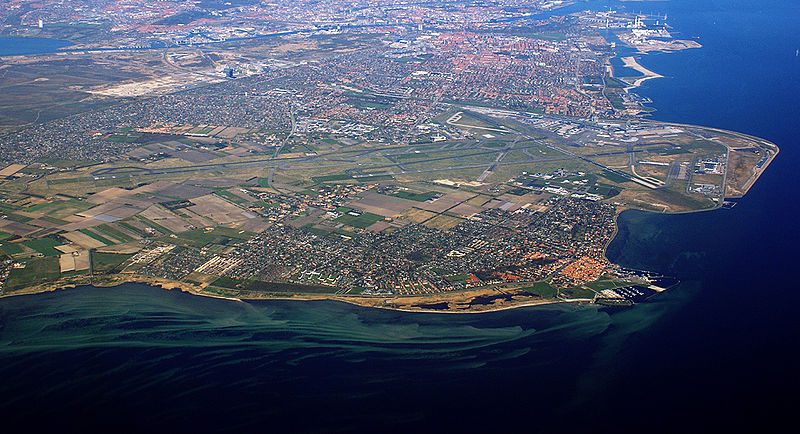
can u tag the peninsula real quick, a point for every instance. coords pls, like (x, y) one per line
(390, 159)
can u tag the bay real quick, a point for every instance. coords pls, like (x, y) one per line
(14, 46)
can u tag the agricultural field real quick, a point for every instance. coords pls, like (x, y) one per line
(334, 208)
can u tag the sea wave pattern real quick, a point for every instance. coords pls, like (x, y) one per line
(117, 347)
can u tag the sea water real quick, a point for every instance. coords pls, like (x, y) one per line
(716, 352)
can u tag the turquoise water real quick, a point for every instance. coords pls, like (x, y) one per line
(715, 353)
(350, 365)
(22, 46)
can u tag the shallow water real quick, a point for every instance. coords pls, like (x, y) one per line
(715, 352)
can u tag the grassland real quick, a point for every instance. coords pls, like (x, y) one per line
(358, 219)
(215, 236)
(45, 246)
(486, 162)
(36, 271)
(108, 262)
(542, 289)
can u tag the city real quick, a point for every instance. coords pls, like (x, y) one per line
(389, 157)
(399, 216)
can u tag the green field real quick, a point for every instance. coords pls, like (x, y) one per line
(542, 289)
(53, 220)
(96, 236)
(519, 191)
(675, 151)
(458, 278)
(17, 218)
(259, 286)
(37, 270)
(374, 178)
(361, 221)
(328, 178)
(131, 228)
(611, 176)
(226, 282)
(10, 248)
(227, 195)
(410, 156)
(604, 190)
(60, 208)
(418, 197)
(577, 292)
(110, 231)
(316, 231)
(218, 235)
(123, 138)
(44, 246)
(600, 285)
(107, 262)
(154, 225)
(612, 82)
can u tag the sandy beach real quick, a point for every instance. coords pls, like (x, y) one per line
(647, 74)
(459, 301)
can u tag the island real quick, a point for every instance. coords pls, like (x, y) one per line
(423, 157)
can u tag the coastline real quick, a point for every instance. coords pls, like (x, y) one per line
(632, 63)
(751, 181)
(460, 300)
(647, 74)
(383, 302)
(375, 302)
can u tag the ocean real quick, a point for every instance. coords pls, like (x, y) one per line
(716, 352)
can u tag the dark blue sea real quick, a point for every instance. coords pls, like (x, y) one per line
(716, 353)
